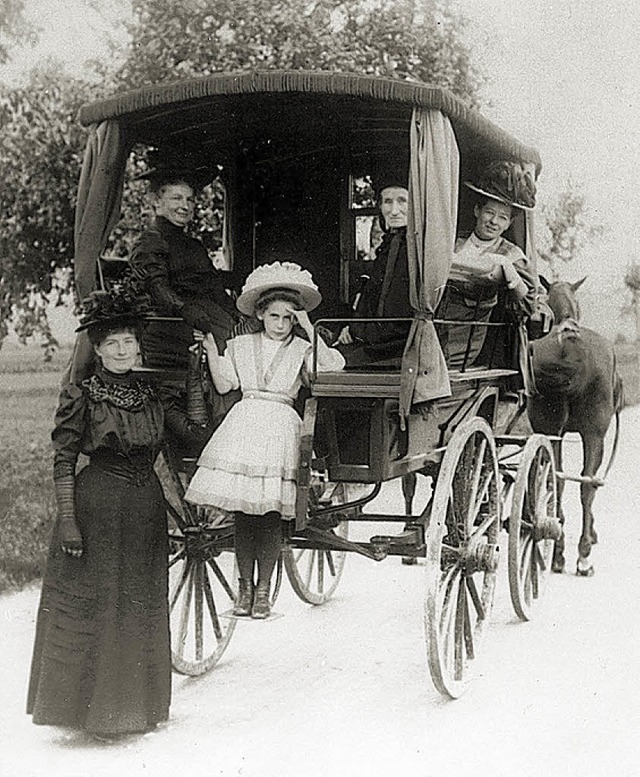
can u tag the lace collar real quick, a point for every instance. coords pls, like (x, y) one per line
(121, 391)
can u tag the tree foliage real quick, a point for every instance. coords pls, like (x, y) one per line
(41, 144)
(14, 28)
(567, 228)
(632, 282)
(418, 40)
(40, 155)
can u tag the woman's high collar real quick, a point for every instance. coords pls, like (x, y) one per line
(114, 377)
(167, 228)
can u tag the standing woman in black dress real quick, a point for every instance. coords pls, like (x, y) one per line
(101, 659)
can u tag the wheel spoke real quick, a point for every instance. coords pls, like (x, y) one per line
(330, 563)
(179, 585)
(535, 578)
(447, 625)
(446, 586)
(525, 555)
(211, 605)
(459, 641)
(312, 556)
(540, 558)
(178, 557)
(175, 515)
(184, 615)
(472, 507)
(320, 571)
(475, 597)
(198, 582)
(221, 578)
(468, 628)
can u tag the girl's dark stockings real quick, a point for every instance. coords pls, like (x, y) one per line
(258, 541)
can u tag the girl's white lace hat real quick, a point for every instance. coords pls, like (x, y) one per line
(279, 275)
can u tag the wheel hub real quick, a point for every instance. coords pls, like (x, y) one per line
(482, 558)
(547, 528)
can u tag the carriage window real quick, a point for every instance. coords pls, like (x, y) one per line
(210, 226)
(365, 233)
(362, 194)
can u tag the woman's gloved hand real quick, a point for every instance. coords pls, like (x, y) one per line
(69, 534)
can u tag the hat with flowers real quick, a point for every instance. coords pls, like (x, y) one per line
(278, 275)
(123, 301)
(507, 182)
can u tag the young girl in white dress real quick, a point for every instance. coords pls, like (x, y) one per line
(250, 464)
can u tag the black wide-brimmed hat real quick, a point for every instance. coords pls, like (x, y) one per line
(507, 182)
(124, 303)
(169, 165)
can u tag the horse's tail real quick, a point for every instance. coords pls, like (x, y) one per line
(618, 404)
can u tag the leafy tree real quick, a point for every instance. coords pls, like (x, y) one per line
(632, 282)
(417, 40)
(14, 28)
(41, 148)
(566, 228)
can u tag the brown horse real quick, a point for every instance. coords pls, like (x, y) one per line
(578, 389)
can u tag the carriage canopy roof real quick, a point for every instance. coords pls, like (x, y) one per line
(329, 99)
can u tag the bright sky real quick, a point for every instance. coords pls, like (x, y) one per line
(565, 77)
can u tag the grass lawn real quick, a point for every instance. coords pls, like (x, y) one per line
(26, 490)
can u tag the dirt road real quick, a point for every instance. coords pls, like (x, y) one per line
(344, 690)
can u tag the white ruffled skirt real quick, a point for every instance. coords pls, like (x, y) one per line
(251, 461)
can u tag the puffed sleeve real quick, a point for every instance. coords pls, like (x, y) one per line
(328, 359)
(69, 427)
(523, 267)
(149, 258)
(227, 378)
(149, 262)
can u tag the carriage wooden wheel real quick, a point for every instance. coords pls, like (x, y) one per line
(462, 555)
(202, 580)
(533, 525)
(314, 573)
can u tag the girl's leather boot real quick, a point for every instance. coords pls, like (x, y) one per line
(261, 604)
(244, 601)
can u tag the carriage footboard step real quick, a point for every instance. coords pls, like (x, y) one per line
(407, 543)
(332, 540)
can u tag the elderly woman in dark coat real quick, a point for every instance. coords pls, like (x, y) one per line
(101, 659)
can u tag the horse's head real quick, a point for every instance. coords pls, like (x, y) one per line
(562, 300)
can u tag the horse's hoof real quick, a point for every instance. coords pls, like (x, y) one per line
(409, 561)
(557, 566)
(584, 571)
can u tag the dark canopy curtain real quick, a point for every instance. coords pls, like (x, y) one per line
(97, 212)
(431, 233)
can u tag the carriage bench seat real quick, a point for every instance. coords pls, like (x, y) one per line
(387, 384)
(361, 437)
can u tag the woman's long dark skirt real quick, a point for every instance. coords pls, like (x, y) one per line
(101, 658)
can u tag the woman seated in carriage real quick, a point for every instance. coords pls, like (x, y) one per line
(485, 265)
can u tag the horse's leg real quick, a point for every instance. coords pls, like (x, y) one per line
(408, 491)
(593, 446)
(558, 563)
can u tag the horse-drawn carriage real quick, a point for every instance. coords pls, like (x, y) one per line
(296, 153)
